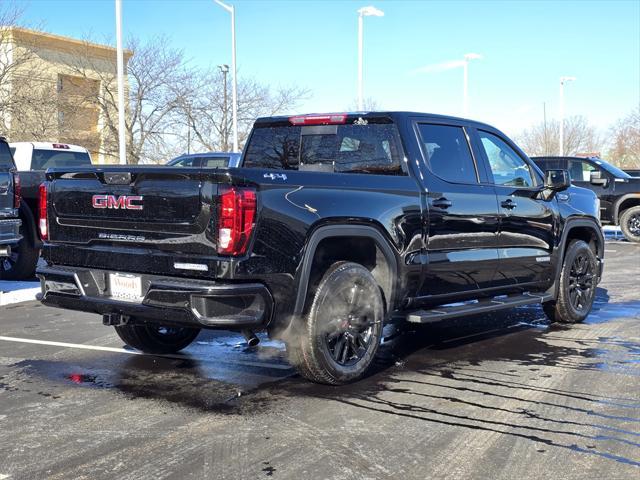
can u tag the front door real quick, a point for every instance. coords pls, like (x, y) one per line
(525, 239)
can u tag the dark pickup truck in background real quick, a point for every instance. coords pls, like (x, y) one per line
(333, 225)
(31, 160)
(9, 203)
(619, 192)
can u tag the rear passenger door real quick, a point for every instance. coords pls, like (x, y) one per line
(525, 239)
(462, 244)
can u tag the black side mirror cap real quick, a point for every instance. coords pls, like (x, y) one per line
(557, 180)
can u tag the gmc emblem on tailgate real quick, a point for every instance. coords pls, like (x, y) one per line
(123, 202)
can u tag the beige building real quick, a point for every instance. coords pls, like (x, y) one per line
(59, 89)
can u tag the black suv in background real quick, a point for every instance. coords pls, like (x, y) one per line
(333, 225)
(619, 192)
(9, 203)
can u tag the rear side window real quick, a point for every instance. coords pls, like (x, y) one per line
(6, 161)
(43, 159)
(448, 154)
(356, 148)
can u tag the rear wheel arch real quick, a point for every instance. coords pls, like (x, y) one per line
(625, 202)
(361, 244)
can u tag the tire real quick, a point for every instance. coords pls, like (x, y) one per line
(157, 338)
(630, 224)
(22, 263)
(337, 340)
(577, 288)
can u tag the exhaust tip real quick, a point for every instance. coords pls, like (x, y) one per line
(251, 338)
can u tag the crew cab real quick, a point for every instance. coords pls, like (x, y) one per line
(333, 225)
(9, 203)
(32, 159)
(618, 191)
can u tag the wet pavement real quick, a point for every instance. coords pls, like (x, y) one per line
(497, 396)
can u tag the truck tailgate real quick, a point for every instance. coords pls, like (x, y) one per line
(137, 213)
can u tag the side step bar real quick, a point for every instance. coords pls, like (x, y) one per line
(486, 305)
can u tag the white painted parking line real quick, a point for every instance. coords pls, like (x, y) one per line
(609, 251)
(82, 346)
(3, 477)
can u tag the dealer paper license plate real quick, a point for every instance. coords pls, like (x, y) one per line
(125, 287)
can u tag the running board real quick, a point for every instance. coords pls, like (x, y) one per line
(486, 305)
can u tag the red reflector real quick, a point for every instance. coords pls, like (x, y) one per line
(329, 119)
(236, 217)
(43, 223)
(60, 145)
(17, 191)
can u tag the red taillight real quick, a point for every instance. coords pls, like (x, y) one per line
(43, 223)
(17, 191)
(328, 119)
(60, 145)
(236, 217)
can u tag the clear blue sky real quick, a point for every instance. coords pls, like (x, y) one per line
(526, 47)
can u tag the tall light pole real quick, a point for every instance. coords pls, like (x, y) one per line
(234, 100)
(563, 80)
(122, 145)
(465, 66)
(363, 12)
(224, 69)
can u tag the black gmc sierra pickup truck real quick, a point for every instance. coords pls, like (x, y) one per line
(618, 191)
(333, 225)
(9, 203)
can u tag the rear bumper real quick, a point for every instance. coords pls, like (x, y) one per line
(166, 300)
(10, 231)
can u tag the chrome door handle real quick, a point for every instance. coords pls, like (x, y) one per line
(508, 204)
(441, 203)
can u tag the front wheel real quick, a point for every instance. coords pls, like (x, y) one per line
(630, 224)
(577, 288)
(339, 337)
(157, 338)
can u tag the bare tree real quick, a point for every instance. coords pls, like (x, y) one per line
(543, 139)
(624, 149)
(207, 109)
(156, 74)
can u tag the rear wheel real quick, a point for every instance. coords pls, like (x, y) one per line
(630, 224)
(341, 333)
(157, 338)
(577, 288)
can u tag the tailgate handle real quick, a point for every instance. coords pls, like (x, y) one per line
(117, 178)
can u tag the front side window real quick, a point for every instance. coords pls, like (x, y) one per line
(448, 154)
(580, 170)
(507, 167)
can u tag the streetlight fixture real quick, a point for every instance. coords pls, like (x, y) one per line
(563, 80)
(363, 12)
(232, 11)
(224, 69)
(465, 65)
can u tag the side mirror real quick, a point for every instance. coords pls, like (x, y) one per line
(596, 178)
(557, 180)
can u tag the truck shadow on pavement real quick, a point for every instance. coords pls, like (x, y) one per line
(509, 374)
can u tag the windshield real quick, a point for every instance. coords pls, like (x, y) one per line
(43, 159)
(615, 171)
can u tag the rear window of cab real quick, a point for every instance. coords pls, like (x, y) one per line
(360, 147)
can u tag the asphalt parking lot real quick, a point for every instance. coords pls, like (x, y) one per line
(498, 397)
